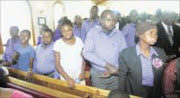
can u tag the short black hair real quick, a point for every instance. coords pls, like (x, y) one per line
(116, 93)
(105, 13)
(66, 22)
(27, 31)
(95, 6)
(48, 30)
(15, 28)
(44, 26)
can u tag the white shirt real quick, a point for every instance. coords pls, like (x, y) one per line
(70, 57)
(117, 25)
(166, 27)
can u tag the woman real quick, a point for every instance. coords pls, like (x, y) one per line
(141, 67)
(68, 59)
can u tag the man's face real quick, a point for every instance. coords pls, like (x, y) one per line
(109, 22)
(78, 20)
(168, 20)
(67, 32)
(93, 12)
(134, 17)
(46, 38)
(149, 37)
(14, 32)
(24, 36)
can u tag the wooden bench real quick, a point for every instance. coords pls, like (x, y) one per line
(55, 87)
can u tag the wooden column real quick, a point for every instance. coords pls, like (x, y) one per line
(1, 45)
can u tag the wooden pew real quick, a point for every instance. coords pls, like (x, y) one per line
(54, 86)
(38, 88)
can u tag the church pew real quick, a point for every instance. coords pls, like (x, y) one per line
(59, 85)
(33, 93)
(38, 88)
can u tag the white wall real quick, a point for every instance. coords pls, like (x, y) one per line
(42, 9)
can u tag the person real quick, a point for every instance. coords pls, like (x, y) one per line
(118, 19)
(15, 58)
(9, 92)
(11, 44)
(117, 94)
(130, 29)
(171, 83)
(40, 36)
(102, 48)
(57, 32)
(27, 54)
(44, 60)
(68, 59)
(91, 22)
(168, 35)
(141, 67)
(77, 28)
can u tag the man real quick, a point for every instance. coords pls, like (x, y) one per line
(130, 29)
(44, 59)
(77, 28)
(118, 17)
(12, 44)
(90, 22)
(40, 36)
(102, 48)
(168, 35)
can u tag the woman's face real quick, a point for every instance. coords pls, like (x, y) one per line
(67, 32)
(149, 37)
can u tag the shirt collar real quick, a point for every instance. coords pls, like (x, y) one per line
(15, 39)
(152, 51)
(165, 25)
(132, 24)
(114, 31)
(95, 20)
(43, 45)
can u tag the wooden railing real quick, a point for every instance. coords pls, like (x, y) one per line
(54, 86)
(38, 88)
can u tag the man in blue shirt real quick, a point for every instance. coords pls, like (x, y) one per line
(130, 29)
(90, 22)
(11, 44)
(77, 28)
(102, 48)
(44, 59)
(27, 53)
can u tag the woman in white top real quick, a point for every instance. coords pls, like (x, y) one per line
(68, 59)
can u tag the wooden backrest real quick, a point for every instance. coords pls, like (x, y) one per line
(38, 88)
(60, 85)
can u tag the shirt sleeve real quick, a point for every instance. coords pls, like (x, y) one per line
(4, 57)
(123, 42)
(123, 70)
(124, 31)
(81, 43)
(57, 46)
(32, 52)
(83, 32)
(89, 50)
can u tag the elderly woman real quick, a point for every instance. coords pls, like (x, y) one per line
(141, 67)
